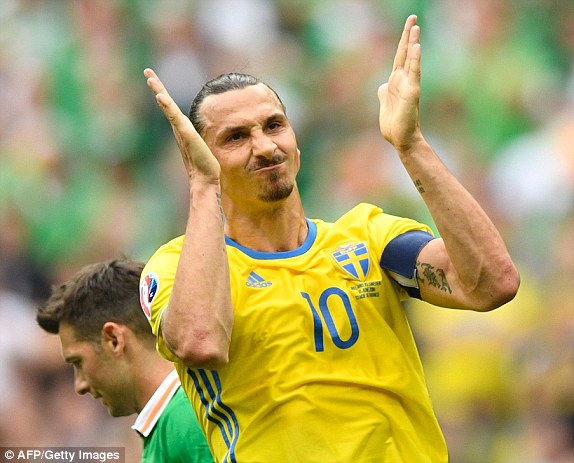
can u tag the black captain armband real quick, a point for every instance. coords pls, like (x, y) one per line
(399, 259)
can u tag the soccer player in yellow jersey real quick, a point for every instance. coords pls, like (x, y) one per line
(288, 332)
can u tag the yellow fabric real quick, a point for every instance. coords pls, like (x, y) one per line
(323, 365)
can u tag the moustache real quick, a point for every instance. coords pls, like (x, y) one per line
(261, 163)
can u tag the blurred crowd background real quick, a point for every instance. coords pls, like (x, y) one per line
(89, 170)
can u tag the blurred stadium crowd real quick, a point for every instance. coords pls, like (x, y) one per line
(89, 170)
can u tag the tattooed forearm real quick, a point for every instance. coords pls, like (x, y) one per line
(419, 186)
(432, 277)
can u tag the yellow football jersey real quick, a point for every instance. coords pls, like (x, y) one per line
(323, 366)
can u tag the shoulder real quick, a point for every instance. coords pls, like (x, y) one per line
(158, 274)
(164, 258)
(177, 434)
(173, 246)
(179, 410)
(373, 223)
(361, 210)
(178, 421)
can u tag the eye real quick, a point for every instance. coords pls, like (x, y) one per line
(74, 362)
(235, 136)
(274, 125)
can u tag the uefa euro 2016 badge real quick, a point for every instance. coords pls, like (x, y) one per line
(149, 287)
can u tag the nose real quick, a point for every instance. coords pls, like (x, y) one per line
(80, 384)
(263, 144)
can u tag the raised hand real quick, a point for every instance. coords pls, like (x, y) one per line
(197, 157)
(399, 97)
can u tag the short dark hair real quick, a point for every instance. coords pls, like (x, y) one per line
(96, 294)
(221, 84)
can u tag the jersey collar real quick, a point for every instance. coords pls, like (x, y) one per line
(149, 415)
(279, 255)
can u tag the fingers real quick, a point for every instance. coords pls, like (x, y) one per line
(414, 36)
(403, 47)
(196, 155)
(169, 107)
(414, 72)
(154, 82)
(161, 94)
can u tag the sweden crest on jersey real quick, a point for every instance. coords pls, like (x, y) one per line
(353, 259)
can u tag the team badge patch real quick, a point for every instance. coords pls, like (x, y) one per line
(149, 287)
(353, 259)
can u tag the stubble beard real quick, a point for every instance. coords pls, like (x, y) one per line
(276, 189)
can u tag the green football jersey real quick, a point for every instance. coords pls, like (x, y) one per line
(169, 428)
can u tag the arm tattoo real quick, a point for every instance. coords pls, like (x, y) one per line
(218, 195)
(433, 277)
(419, 186)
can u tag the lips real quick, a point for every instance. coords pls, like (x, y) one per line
(266, 168)
(262, 164)
(262, 167)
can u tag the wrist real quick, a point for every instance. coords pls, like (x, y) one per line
(416, 147)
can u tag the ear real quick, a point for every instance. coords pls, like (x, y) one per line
(298, 159)
(114, 337)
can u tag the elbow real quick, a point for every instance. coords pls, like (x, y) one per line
(199, 351)
(199, 348)
(205, 359)
(198, 342)
(503, 289)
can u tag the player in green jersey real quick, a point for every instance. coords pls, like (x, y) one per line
(106, 338)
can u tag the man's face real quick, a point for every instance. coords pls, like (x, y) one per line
(251, 137)
(98, 371)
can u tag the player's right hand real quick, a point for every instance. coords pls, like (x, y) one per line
(198, 159)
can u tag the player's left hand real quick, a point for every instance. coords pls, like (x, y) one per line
(399, 97)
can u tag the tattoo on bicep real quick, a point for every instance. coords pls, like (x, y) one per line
(433, 277)
(218, 195)
(419, 186)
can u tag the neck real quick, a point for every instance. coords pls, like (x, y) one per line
(275, 227)
(152, 373)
